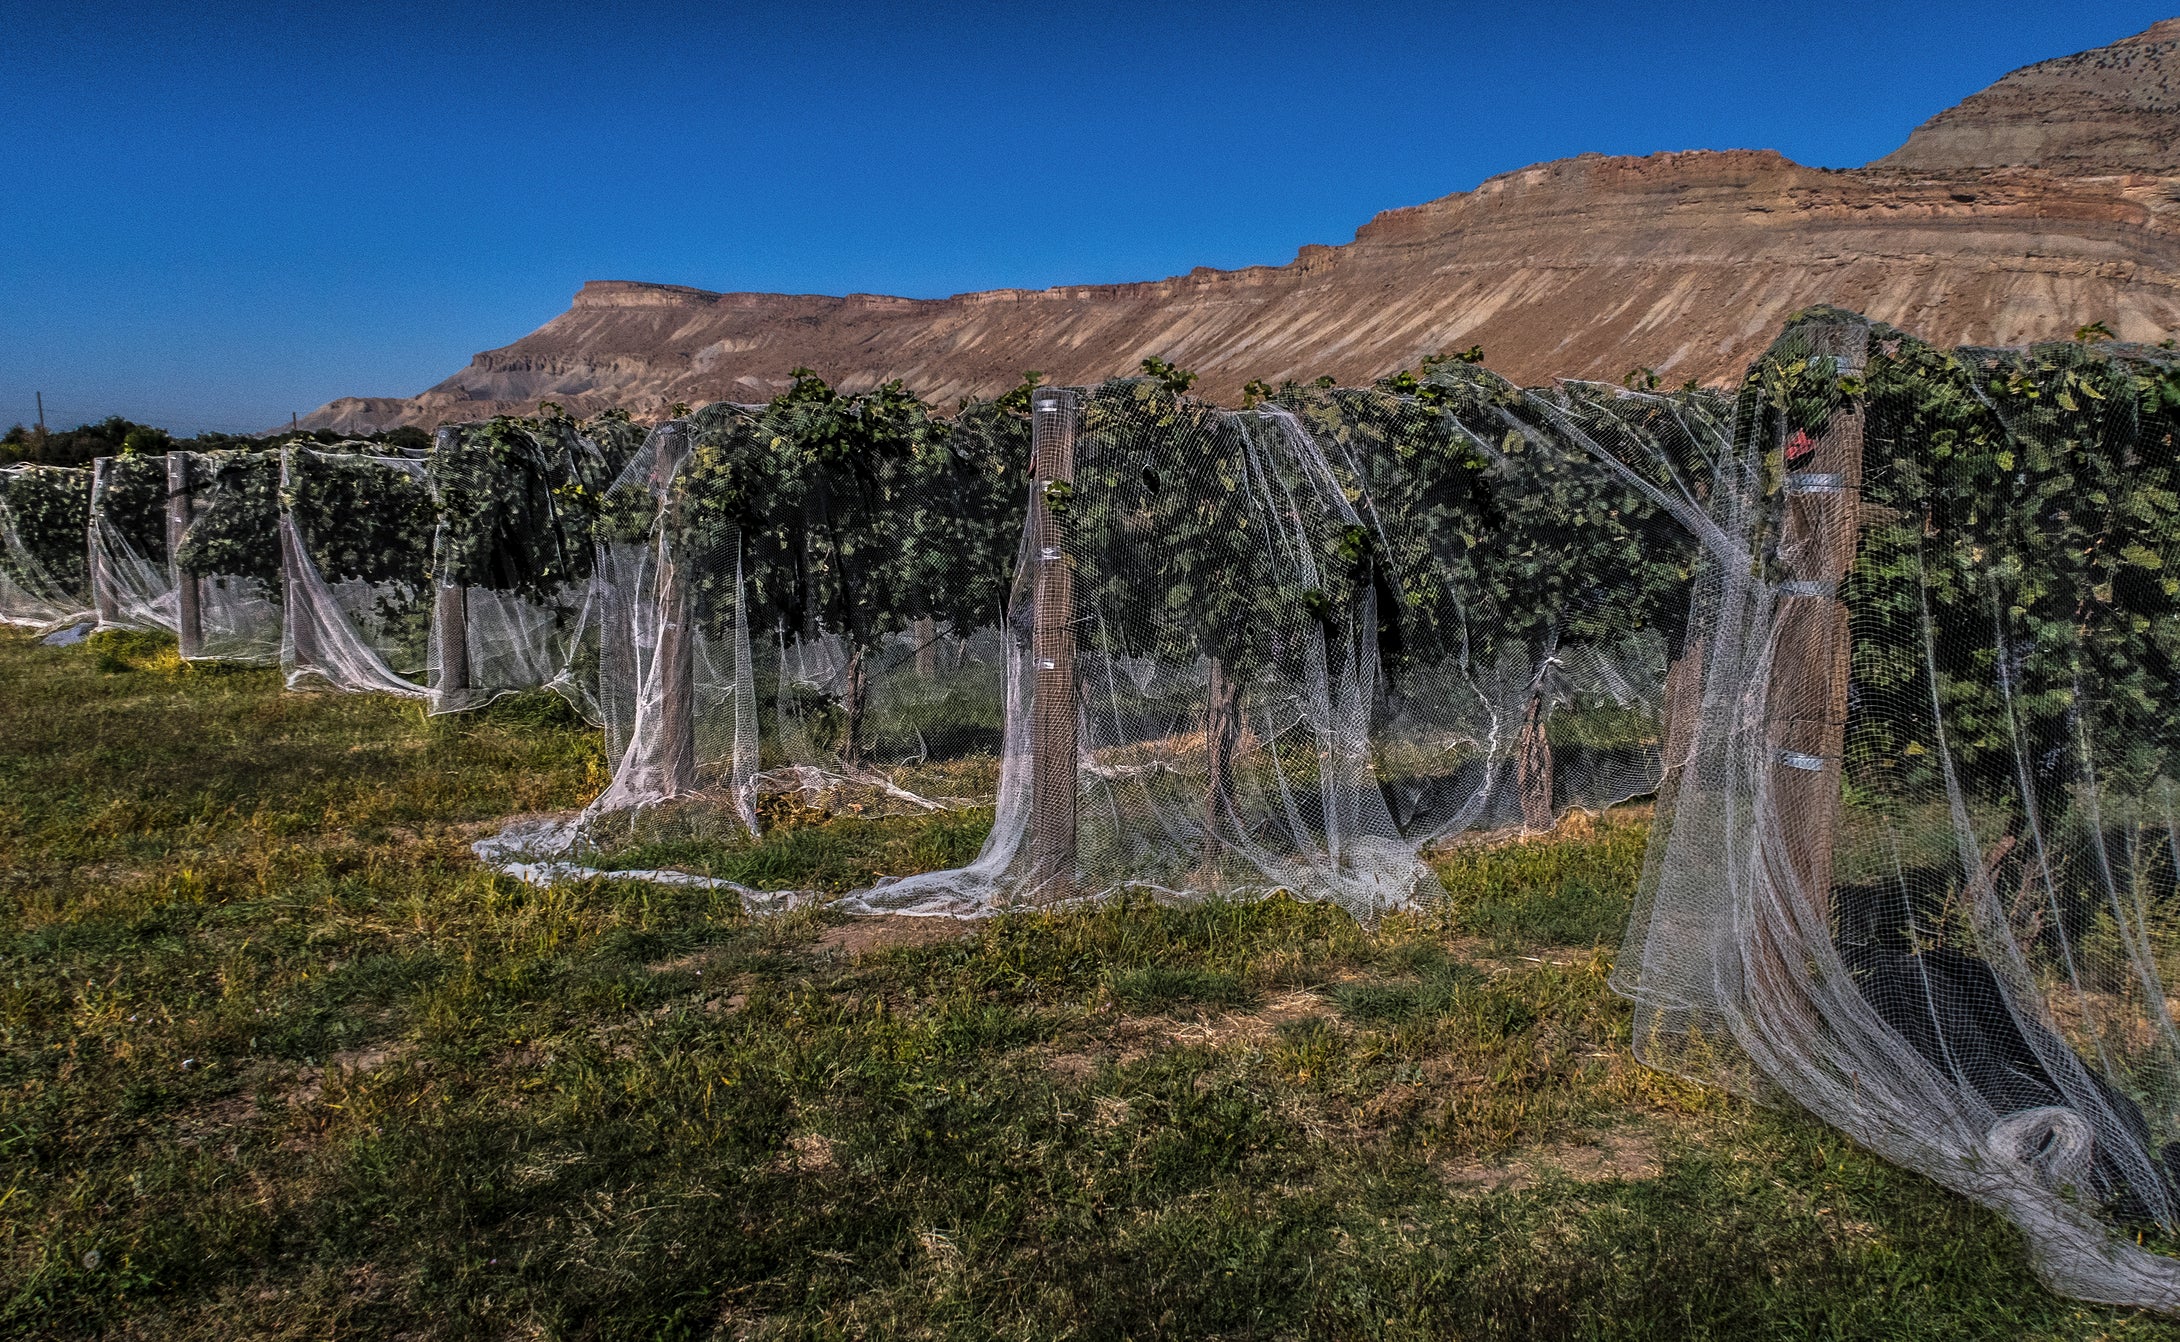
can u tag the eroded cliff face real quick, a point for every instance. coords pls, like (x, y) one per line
(1587, 267)
(2114, 109)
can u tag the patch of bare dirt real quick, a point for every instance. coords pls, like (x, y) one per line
(1620, 1153)
(866, 936)
(1130, 1038)
(810, 1153)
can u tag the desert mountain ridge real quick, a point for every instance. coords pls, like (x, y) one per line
(2049, 199)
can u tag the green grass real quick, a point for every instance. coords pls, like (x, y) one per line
(277, 1059)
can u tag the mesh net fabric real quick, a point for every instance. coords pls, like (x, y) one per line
(132, 584)
(230, 553)
(44, 516)
(514, 557)
(1306, 637)
(355, 534)
(791, 612)
(1916, 867)
(1308, 640)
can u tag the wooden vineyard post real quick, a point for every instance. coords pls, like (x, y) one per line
(674, 661)
(103, 599)
(450, 621)
(1807, 691)
(299, 631)
(926, 634)
(450, 630)
(1053, 747)
(188, 591)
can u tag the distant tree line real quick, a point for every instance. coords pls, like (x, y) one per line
(115, 436)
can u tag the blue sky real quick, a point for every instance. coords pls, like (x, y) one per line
(216, 214)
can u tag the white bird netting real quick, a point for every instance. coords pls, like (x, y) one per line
(1301, 642)
(798, 604)
(132, 584)
(513, 559)
(356, 536)
(44, 517)
(1914, 867)
(226, 570)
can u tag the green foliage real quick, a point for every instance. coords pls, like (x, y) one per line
(520, 500)
(362, 518)
(48, 508)
(236, 528)
(1175, 499)
(130, 499)
(1173, 379)
(857, 514)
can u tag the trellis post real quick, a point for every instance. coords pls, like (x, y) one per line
(1053, 747)
(188, 608)
(450, 616)
(674, 661)
(103, 598)
(298, 631)
(1807, 693)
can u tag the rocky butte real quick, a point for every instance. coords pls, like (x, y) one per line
(2048, 200)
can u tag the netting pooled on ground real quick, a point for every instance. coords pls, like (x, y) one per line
(1917, 869)
(132, 583)
(356, 533)
(514, 556)
(227, 577)
(44, 518)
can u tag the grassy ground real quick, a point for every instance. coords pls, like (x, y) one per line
(277, 1059)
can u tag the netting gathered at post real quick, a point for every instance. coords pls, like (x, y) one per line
(1916, 870)
(228, 557)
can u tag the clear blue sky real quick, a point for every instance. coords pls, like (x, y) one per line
(215, 214)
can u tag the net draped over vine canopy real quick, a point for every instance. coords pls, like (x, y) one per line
(44, 516)
(356, 539)
(132, 582)
(800, 603)
(1313, 637)
(231, 552)
(517, 503)
(1914, 866)
(454, 575)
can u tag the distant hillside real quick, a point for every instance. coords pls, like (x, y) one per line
(2048, 200)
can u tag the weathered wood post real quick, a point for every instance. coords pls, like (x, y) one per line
(298, 623)
(449, 615)
(188, 589)
(673, 661)
(1053, 747)
(926, 633)
(1807, 690)
(103, 597)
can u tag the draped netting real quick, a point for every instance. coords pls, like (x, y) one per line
(356, 537)
(132, 584)
(44, 516)
(228, 562)
(516, 503)
(796, 609)
(1302, 641)
(1914, 863)
(1309, 639)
